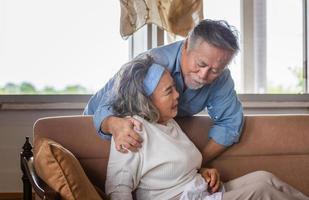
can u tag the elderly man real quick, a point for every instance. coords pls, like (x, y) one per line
(198, 66)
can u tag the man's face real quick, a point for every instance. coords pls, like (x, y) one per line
(203, 63)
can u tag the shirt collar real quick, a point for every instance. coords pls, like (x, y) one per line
(177, 74)
(178, 59)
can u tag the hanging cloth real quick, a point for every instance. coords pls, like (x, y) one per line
(177, 17)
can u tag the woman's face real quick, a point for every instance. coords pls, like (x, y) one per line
(165, 98)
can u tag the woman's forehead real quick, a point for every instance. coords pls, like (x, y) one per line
(165, 81)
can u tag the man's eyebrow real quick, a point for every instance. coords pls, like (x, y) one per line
(202, 63)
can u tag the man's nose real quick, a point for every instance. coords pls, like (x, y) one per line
(176, 94)
(203, 73)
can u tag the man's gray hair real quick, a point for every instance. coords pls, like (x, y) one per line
(217, 33)
(128, 97)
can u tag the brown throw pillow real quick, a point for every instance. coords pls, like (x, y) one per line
(59, 168)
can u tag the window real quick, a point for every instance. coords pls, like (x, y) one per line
(271, 34)
(52, 47)
(284, 57)
(75, 47)
(273, 46)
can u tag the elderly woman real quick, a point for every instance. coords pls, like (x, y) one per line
(168, 165)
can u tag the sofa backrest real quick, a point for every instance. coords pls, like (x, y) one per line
(275, 143)
(278, 144)
(78, 135)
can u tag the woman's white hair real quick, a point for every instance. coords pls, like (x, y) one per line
(128, 97)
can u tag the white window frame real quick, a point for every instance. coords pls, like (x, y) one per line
(306, 43)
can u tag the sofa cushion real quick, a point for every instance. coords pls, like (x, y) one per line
(59, 168)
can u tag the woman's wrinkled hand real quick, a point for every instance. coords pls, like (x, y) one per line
(212, 177)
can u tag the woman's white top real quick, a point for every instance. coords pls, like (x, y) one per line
(165, 163)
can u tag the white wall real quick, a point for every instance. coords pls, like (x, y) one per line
(15, 125)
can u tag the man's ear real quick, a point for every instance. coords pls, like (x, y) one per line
(185, 46)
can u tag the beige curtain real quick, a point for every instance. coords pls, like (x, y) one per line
(175, 16)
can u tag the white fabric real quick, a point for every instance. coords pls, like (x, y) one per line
(167, 162)
(197, 190)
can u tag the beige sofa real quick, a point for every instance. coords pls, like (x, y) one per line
(278, 144)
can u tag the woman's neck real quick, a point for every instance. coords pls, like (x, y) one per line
(163, 122)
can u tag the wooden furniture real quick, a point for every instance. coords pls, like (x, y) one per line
(31, 180)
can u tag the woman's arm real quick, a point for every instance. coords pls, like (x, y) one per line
(123, 173)
(121, 194)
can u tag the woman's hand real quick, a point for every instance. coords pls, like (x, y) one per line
(124, 134)
(212, 177)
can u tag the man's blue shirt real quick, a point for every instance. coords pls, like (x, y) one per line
(218, 98)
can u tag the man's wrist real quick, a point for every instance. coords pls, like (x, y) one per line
(212, 150)
(106, 125)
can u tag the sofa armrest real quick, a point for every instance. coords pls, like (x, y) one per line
(31, 179)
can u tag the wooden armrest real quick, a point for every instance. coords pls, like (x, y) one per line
(31, 179)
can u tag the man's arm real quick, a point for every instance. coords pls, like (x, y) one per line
(123, 131)
(211, 150)
(226, 111)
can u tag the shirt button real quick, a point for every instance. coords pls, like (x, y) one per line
(216, 117)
